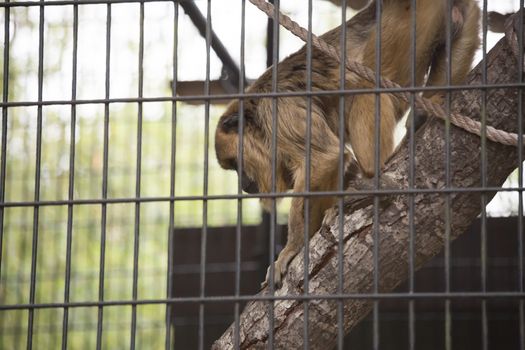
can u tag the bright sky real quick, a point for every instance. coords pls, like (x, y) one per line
(158, 44)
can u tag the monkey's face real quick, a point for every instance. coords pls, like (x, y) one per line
(227, 150)
(257, 168)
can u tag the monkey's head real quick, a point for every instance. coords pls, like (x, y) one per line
(256, 146)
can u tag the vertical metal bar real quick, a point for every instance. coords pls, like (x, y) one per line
(168, 341)
(240, 165)
(5, 97)
(377, 166)
(269, 40)
(448, 183)
(103, 221)
(71, 188)
(341, 184)
(308, 156)
(138, 176)
(411, 179)
(484, 321)
(264, 227)
(34, 250)
(273, 213)
(520, 182)
(204, 233)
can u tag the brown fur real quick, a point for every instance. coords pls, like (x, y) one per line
(359, 111)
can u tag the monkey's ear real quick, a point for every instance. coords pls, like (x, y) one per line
(230, 123)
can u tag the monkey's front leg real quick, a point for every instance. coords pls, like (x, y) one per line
(295, 240)
(293, 245)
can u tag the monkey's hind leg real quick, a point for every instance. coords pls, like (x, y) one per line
(362, 132)
(464, 44)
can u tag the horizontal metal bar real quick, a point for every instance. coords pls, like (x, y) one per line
(75, 2)
(298, 297)
(380, 192)
(236, 96)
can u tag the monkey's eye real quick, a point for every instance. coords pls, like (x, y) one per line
(230, 123)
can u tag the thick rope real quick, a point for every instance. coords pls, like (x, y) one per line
(466, 123)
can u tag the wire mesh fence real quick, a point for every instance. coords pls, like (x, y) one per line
(118, 229)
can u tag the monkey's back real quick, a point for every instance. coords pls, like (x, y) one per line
(360, 47)
(396, 59)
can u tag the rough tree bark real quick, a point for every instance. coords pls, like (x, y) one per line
(465, 172)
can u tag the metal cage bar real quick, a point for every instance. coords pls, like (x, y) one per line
(203, 301)
(204, 232)
(5, 98)
(104, 189)
(173, 156)
(36, 209)
(484, 317)
(411, 178)
(188, 98)
(340, 186)
(71, 186)
(138, 177)
(307, 176)
(240, 165)
(448, 317)
(216, 299)
(273, 211)
(144, 199)
(377, 175)
(521, 315)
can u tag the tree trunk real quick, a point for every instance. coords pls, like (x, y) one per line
(465, 165)
(355, 4)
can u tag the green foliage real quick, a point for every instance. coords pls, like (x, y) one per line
(87, 219)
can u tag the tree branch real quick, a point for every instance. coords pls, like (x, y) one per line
(429, 221)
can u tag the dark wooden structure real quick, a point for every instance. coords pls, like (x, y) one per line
(502, 275)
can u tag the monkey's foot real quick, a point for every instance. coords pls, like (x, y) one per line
(421, 116)
(278, 274)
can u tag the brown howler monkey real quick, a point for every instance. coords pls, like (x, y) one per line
(431, 19)
(355, 4)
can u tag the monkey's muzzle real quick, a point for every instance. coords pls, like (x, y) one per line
(248, 185)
